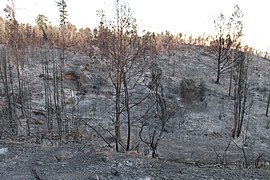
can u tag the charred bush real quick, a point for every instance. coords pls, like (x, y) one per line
(192, 90)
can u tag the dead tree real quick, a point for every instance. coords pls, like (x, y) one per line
(157, 122)
(228, 37)
(63, 32)
(123, 50)
(241, 88)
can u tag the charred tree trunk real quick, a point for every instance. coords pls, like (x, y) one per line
(219, 60)
(127, 106)
(231, 74)
(267, 107)
(241, 92)
(117, 123)
(56, 96)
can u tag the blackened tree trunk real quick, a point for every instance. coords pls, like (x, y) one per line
(219, 62)
(240, 93)
(127, 106)
(267, 107)
(117, 122)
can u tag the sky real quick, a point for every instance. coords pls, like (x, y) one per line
(185, 16)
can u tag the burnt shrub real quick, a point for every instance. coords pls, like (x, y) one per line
(192, 90)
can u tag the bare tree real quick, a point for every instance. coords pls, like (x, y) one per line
(228, 37)
(240, 92)
(63, 30)
(123, 50)
(157, 122)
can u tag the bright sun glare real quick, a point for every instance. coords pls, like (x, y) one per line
(185, 16)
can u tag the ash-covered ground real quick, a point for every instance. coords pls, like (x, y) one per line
(196, 143)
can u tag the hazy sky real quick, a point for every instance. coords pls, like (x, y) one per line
(186, 16)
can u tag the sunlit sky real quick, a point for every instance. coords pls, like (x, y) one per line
(186, 16)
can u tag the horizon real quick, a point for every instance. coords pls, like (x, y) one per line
(157, 16)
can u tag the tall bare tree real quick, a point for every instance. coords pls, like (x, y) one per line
(228, 37)
(123, 48)
(63, 33)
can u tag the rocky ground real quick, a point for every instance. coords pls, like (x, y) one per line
(196, 143)
(28, 161)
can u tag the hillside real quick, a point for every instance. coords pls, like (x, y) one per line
(195, 141)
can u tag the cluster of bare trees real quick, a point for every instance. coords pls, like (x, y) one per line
(241, 90)
(127, 56)
(15, 58)
(229, 57)
(12, 82)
